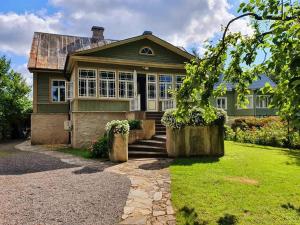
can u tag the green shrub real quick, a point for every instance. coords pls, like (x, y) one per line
(253, 122)
(295, 140)
(195, 117)
(134, 124)
(99, 148)
(229, 133)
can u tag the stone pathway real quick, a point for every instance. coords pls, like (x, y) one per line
(149, 199)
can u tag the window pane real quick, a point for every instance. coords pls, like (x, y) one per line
(92, 88)
(62, 94)
(54, 94)
(82, 87)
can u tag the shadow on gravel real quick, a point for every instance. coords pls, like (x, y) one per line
(87, 170)
(16, 162)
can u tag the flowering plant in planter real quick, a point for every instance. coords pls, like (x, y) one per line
(117, 127)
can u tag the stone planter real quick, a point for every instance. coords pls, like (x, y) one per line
(196, 141)
(119, 151)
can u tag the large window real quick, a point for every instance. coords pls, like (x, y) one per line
(221, 102)
(250, 104)
(126, 85)
(262, 101)
(165, 85)
(151, 90)
(179, 81)
(107, 84)
(87, 83)
(58, 90)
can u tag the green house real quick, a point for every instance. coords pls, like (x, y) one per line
(258, 103)
(81, 83)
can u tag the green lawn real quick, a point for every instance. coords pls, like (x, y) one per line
(84, 153)
(251, 184)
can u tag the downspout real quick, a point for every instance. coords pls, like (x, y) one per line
(69, 101)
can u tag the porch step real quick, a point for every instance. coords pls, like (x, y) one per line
(160, 137)
(144, 154)
(160, 129)
(156, 143)
(142, 147)
(158, 132)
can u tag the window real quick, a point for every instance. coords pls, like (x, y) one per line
(126, 85)
(179, 81)
(107, 84)
(262, 101)
(221, 102)
(58, 90)
(250, 105)
(165, 85)
(87, 83)
(146, 51)
(151, 87)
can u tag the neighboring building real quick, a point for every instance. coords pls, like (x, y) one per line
(91, 81)
(258, 102)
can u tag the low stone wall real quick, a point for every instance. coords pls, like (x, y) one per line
(147, 131)
(89, 126)
(48, 128)
(196, 141)
(136, 115)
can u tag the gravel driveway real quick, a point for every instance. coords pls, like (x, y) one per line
(39, 189)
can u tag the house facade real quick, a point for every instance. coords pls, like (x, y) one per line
(81, 83)
(258, 102)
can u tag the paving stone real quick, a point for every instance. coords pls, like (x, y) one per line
(159, 213)
(170, 210)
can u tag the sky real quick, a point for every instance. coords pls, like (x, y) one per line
(187, 23)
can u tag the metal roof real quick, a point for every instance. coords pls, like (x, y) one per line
(49, 51)
(257, 84)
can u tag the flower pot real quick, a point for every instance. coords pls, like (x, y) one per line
(119, 151)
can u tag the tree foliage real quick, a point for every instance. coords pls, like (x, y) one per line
(276, 27)
(14, 102)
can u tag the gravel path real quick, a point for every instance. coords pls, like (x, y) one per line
(49, 191)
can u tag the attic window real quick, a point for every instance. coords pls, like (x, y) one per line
(146, 51)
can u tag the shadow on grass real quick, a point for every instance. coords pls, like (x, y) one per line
(191, 217)
(227, 219)
(294, 154)
(195, 160)
(290, 206)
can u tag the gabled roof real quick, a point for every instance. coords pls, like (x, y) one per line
(257, 84)
(50, 51)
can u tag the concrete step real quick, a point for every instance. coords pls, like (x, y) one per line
(146, 154)
(160, 132)
(147, 148)
(156, 143)
(160, 138)
(160, 129)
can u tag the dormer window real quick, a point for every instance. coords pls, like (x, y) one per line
(146, 51)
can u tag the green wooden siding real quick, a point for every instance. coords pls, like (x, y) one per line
(130, 51)
(44, 105)
(103, 105)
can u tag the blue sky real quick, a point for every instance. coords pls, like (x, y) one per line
(186, 23)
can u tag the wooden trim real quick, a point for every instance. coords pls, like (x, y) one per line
(116, 91)
(137, 38)
(86, 68)
(35, 92)
(50, 90)
(125, 62)
(140, 51)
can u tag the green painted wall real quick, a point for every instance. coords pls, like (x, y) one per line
(130, 51)
(102, 105)
(44, 105)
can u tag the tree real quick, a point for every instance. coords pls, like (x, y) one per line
(14, 102)
(276, 26)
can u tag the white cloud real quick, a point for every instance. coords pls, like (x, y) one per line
(16, 30)
(25, 72)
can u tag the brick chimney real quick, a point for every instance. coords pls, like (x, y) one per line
(97, 33)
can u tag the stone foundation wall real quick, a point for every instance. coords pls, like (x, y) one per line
(89, 126)
(48, 128)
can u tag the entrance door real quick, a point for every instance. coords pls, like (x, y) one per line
(151, 93)
(141, 88)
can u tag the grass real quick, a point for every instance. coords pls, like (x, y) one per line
(251, 184)
(84, 153)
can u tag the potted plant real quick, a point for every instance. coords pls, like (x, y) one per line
(117, 132)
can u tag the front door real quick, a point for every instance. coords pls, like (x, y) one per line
(141, 89)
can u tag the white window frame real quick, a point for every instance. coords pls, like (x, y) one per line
(152, 83)
(52, 80)
(107, 82)
(250, 102)
(178, 84)
(267, 101)
(141, 49)
(165, 97)
(69, 90)
(127, 82)
(87, 84)
(221, 98)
